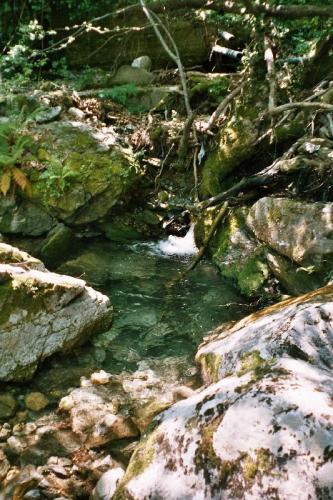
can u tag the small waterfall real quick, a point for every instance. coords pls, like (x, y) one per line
(176, 245)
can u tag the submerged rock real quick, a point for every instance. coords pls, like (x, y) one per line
(7, 405)
(43, 313)
(264, 427)
(36, 401)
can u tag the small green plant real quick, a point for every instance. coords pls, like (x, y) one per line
(120, 93)
(58, 176)
(13, 151)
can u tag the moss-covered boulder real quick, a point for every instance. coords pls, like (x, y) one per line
(264, 428)
(43, 313)
(235, 145)
(236, 252)
(83, 171)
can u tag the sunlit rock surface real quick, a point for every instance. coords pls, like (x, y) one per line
(298, 230)
(42, 313)
(264, 428)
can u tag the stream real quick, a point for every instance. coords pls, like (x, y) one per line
(152, 320)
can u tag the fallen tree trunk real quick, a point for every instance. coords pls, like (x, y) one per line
(265, 177)
(300, 105)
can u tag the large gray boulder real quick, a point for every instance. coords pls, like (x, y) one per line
(43, 313)
(301, 231)
(264, 428)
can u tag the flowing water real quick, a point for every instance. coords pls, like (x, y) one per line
(155, 316)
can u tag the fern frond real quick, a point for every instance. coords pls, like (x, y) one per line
(5, 182)
(19, 177)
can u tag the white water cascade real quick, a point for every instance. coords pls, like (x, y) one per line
(175, 245)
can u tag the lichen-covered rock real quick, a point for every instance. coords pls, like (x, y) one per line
(242, 438)
(14, 256)
(264, 428)
(301, 327)
(43, 313)
(301, 231)
(86, 171)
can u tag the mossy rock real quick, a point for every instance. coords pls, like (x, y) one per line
(86, 172)
(235, 145)
(58, 245)
(238, 255)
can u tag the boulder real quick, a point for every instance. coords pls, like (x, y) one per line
(58, 244)
(24, 218)
(132, 75)
(86, 171)
(48, 115)
(143, 62)
(293, 327)
(263, 429)
(301, 231)
(107, 484)
(12, 255)
(43, 313)
(236, 252)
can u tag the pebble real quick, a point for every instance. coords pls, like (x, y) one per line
(4, 434)
(7, 405)
(32, 495)
(100, 378)
(15, 444)
(36, 401)
(66, 403)
(76, 113)
(29, 428)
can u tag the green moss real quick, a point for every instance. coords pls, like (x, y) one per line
(245, 265)
(253, 362)
(253, 274)
(250, 468)
(206, 457)
(263, 463)
(235, 145)
(140, 460)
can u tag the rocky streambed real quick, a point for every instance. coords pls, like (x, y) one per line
(253, 418)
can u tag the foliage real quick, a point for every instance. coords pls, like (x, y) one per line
(22, 59)
(120, 93)
(58, 176)
(13, 151)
